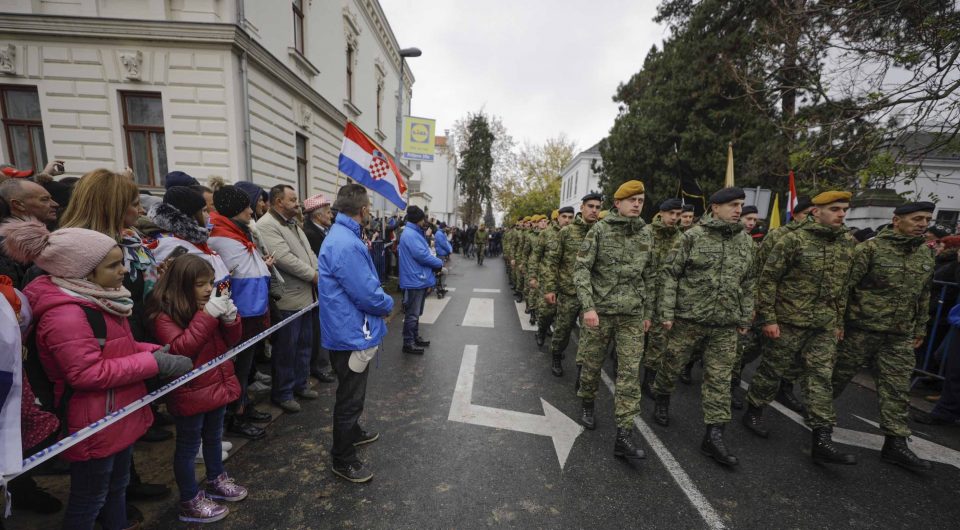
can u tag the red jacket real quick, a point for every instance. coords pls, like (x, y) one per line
(102, 380)
(204, 339)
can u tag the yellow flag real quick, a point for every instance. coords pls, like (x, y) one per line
(775, 215)
(728, 181)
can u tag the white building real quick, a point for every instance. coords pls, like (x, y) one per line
(579, 179)
(247, 89)
(437, 181)
(938, 181)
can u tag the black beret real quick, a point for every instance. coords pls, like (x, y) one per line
(671, 204)
(566, 209)
(726, 195)
(230, 201)
(688, 207)
(747, 210)
(184, 199)
(593, 196)
(415, 214)
(911, 207)
(803, 203)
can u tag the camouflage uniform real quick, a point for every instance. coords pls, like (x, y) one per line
(804, 286)
(707, 291)
(529, 242)
(508, 251)
(889, 286)
(480, 240)
(664, 238)
(557, 266)
(614, 273)
(533, 268)
(546, 312)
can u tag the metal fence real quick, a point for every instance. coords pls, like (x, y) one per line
(944, 347)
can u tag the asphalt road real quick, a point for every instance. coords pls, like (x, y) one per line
(431, 472)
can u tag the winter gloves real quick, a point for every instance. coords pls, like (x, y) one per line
(171, 365)
(222, 307)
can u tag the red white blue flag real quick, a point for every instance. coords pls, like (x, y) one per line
(791, 197)
(365, 162)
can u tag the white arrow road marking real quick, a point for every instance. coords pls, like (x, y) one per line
(432, 309)
(494, 291)
(924, 448)
(700, 503)
(553, 423)
(479, 313)
(524, 317)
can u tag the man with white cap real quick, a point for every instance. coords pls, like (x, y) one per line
(316, 225)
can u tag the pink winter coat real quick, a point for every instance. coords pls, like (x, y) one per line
(204, 339)
(102, 380)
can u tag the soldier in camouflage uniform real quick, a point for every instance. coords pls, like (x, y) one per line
(613, 275)
(887, 312)
(665, 233)
(706, 299)
(558, 265)
(516, 259)
(529, 240)
(480, 242)
(804, 299)
(508, 238)
(548, 238)
(686, 217)
(533, 267)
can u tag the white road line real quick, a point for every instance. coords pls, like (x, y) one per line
(479, 313)
(524, 318)
(709, 515)
(432, 308)
(451, 289)
(496, 291)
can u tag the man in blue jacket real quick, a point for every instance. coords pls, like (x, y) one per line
(352, 311)
(442, 244)
(417, 265)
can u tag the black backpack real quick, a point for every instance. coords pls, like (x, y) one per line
(41, 384)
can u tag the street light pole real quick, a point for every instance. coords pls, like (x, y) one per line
(404, 53)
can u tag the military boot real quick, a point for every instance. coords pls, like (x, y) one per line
(587, 418)
(557, 367)
(685, 374)
(661, 409)
(533, 317)
(753, 421)
(824, 451)
(896, 451)
(646, 387)
(787, 398)
(541, 336)
(625, 447)
(714, 447)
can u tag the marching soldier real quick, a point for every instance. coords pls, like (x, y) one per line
(803, 282)
(614, 273)
(480, 242)
(533, 267)
(665, 233)
(686, 217)
(517, 261)
(559, 263)
(887, 312)
(548, 239)
(705, 301)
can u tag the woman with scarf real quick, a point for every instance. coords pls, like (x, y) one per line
(250, 286)
(84, 280)
(180, 228)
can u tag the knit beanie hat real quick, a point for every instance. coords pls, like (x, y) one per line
(178, 178)
(253, 191)
(230, 201)
(66, 253)
(184, 199)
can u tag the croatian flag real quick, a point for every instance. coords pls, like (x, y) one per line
(791, 197)
(365, 162)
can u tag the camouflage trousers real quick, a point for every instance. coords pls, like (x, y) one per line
(817, 351)
(656, 344)
(531, 294)
(749, 348)
(627, 331)
(719, 347)
(891, 359)
(567, 311)
(546, 313)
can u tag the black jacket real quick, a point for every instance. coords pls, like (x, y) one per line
(315, 235)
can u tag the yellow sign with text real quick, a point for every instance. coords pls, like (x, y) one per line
(419, 138)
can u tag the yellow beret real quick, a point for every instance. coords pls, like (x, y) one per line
(831, 196)
(540, 217)
(628, 189)
(604, 213)
(525, 219)
(555, 214)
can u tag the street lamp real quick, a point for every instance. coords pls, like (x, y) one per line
(404, 53)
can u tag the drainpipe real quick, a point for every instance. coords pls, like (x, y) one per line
(245, 97)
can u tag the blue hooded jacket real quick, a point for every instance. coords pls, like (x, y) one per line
(442, 244)
(352, 303)
(416, 261)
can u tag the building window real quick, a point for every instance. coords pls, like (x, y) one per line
(948, 218)
(302, 180)
(351, 51)
(144, 135)
(298, 25)
(23, 127)
(379, 106)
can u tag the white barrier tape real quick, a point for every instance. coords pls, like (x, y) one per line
(117, 415)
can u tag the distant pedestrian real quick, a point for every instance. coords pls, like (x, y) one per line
(417, 267)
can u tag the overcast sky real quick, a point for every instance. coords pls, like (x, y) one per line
(544, 67)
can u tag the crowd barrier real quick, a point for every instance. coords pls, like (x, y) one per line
(945, 344)
(378, 254)
(112, 418)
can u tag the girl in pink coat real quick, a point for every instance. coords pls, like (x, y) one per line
(91, 380)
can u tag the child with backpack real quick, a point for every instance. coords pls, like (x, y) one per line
(199, 321)
(94, 372)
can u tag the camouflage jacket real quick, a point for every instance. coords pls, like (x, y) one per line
(539, 245)
(525, 248)
(560, 258)
(507, 242)
(615, 268)
(803, 281)
(889, 285)
(480, 238)
(708, 276)
(664, 238)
